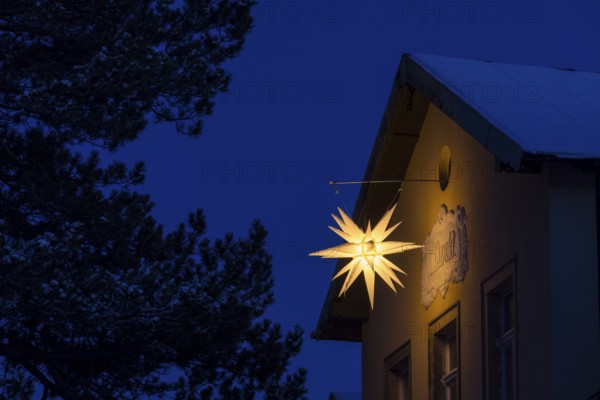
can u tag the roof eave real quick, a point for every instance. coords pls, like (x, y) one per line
(341, 317)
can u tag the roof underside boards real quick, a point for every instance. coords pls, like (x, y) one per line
(519, 113)
(341, 317)
(535, 110)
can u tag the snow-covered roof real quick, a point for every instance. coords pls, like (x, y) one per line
(513, 110)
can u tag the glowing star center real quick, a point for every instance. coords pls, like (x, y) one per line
(367, 250)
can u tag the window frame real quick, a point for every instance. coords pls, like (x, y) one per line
(446, 324)
(399, 361)
(496, 336)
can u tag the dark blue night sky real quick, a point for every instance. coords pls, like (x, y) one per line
(305, 103)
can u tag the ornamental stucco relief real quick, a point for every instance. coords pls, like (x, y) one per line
(445, 254)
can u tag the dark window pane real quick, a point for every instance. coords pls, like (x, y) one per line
(509, 310)
(452, 393)
(404, 387)
(508, 368)
(452, 350)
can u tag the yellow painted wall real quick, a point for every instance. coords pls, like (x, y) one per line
(507, 218)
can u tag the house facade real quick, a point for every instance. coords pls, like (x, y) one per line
(500, 167)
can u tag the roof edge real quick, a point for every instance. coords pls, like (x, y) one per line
(465, 115)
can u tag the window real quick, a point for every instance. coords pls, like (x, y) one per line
(444, 356)
(397, 365)
(500, 335)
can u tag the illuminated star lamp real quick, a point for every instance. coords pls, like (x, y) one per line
(367, 250)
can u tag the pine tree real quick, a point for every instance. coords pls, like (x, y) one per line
(96, 300)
